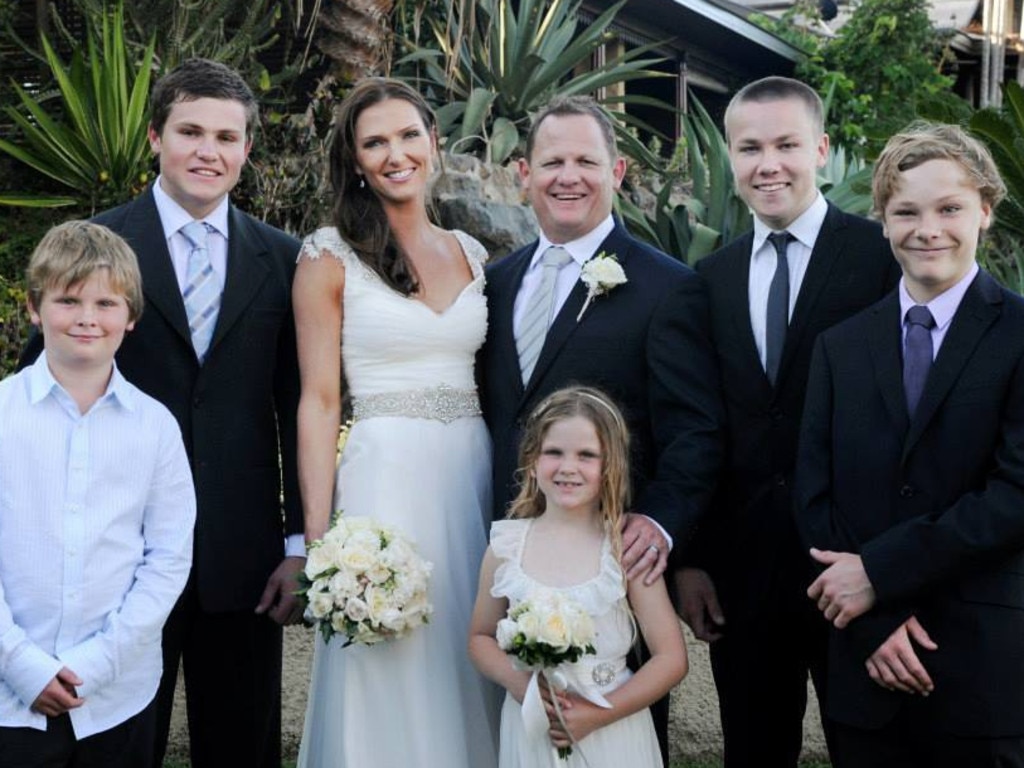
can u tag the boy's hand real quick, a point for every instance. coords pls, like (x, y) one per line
(843, 592)
(895, 665)
(59, 695)
(279, 601)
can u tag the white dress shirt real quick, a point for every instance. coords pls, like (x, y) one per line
(581, 251)
(943, 307)
(96, 519)
(804, 230)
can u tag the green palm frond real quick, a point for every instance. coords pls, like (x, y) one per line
(96, 144)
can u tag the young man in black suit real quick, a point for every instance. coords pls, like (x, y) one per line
(644, 341)
(228, 373)
(910, 482)
(743, 587)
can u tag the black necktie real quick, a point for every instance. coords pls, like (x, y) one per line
(777, 317)
(917, 356)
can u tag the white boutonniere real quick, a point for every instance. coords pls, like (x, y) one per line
(600, 275)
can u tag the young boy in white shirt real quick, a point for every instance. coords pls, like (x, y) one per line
(96, 515)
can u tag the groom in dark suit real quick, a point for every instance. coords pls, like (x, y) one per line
(910, 482)
(743, 589)
(232, 383)
(644, 341)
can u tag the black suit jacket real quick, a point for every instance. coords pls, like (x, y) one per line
(237, 411)
(750, 544)
(934, 505)
(646, 344)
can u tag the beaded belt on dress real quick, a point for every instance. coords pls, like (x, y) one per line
(441, 403)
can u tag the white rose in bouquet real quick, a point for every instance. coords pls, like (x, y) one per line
(320, 604)
(356, 609)
(506, 633)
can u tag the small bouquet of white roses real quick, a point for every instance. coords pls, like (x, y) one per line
(365, 580)
(541, 634)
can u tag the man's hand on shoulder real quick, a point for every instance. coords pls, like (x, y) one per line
(644, 548)
(279, 600)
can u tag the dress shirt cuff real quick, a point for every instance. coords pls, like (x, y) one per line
(664, 533)
(27, 669)
(87, 661)
(295, 545)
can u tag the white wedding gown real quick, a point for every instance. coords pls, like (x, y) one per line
(418, 457)
(629, 741)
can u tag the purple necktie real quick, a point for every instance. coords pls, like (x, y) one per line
(777, 316)
(917, 355)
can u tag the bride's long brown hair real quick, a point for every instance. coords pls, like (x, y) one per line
(357, 213)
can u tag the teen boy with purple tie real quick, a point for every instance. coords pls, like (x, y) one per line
(910, 482)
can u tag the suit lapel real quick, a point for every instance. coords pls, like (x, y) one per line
(565, 323)
(558, 334)
(143, 229)
(828, 248)
(246, 270)
(738, 309)
(976, 313)
(502, 311)
(886, 342)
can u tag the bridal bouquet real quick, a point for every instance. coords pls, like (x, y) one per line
(363, 579)
(541, 633)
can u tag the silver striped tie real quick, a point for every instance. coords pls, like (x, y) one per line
(202, 291)
(537, 316)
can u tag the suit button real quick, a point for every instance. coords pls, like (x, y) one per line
(776, 414)
(907, 491)
(197, 401)
(780, 480)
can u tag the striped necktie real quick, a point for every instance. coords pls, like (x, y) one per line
(202, 291)
(533, 328)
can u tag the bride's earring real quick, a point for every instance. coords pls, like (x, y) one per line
(362, 183)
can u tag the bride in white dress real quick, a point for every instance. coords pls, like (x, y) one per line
(395, 305)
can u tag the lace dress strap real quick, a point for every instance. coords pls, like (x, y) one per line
(475, 252)
(327, 240)
(507, 538)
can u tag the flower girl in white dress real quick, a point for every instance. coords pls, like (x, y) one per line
(564, 536)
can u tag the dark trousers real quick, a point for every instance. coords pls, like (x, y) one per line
(128, 745)
(907, 742)
(232, 668)
(760, 668)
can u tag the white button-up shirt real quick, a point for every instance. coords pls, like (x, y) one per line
(96, 518)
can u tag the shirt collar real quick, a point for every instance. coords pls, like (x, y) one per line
(804, 228)
(943, 306)
(581, 249)
(174, 217)
(41, 384)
